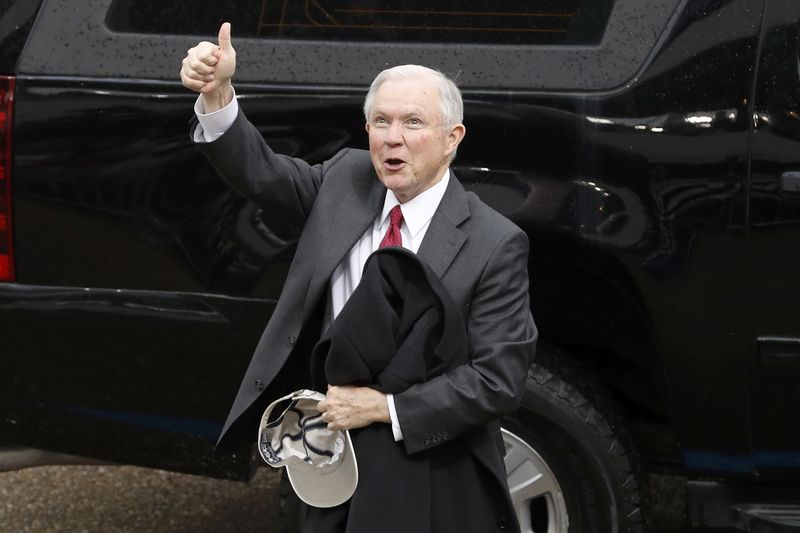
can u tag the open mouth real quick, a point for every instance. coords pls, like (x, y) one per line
(393, 163)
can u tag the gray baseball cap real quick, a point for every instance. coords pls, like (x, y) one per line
(321, 463)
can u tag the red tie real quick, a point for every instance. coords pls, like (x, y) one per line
(393, 237)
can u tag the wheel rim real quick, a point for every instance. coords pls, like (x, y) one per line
(535, 493)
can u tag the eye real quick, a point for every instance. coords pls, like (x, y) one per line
(379, 121)
(414, 122)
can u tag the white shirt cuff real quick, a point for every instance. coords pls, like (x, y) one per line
(213, 125)
(396, 431)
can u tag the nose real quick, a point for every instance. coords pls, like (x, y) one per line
(394, 134)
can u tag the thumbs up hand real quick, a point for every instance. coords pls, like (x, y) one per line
(208, 69)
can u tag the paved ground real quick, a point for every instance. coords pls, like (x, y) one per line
(111, 499)
(124, 499)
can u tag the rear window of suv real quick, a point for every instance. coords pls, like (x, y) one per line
(512, 22)
(591, 45)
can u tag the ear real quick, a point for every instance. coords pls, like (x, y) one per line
(366, 127)
(455, 136)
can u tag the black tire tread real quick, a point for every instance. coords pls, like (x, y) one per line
(573, 385)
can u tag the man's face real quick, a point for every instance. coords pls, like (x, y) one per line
(409, 147)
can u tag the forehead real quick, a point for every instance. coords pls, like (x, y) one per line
(419, 94)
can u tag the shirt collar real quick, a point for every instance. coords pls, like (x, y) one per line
(420, 209)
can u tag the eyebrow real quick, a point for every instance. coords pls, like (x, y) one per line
(406, 115)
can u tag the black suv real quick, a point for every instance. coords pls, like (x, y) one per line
(649, 148)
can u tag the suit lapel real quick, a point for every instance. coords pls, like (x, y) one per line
(356, 212)
(444, 239)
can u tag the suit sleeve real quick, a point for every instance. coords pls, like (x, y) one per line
(502, 337)
(283, 187)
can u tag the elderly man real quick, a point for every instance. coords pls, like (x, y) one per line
(401, 192)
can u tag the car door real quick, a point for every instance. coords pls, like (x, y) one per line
(774, 246)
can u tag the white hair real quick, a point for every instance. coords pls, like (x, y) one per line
(452, 106)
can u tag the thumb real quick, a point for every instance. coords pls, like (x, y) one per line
(224, 37)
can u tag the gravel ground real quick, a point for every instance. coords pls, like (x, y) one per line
(110, 499)
(126, 499)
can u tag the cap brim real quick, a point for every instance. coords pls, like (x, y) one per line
(327, 489)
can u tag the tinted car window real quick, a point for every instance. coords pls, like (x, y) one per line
(109, 37)
(435, 21)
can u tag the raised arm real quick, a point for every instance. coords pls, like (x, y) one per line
(284, 187)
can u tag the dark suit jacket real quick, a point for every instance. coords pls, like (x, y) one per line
(480, 257)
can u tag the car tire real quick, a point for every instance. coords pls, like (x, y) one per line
(571, 463)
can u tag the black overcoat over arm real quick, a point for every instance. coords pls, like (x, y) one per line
(400, 328)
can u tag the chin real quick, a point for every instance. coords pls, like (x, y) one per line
(396, 182)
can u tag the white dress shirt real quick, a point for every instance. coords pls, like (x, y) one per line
(417, 215)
